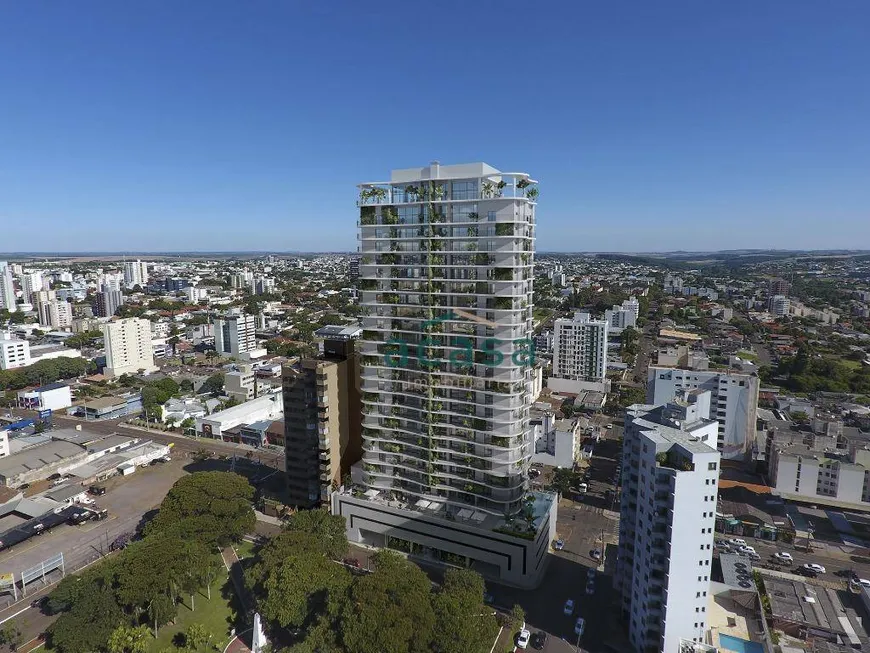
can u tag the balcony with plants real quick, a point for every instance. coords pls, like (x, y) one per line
(674, 460)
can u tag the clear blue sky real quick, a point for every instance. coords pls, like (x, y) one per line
(219, 125)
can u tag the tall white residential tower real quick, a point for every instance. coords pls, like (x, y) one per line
(7, 289)
(234, 334)
(734, 402)
(579, 352)
(446, 358)
(135, 273)
(128, 346)
(667, 514)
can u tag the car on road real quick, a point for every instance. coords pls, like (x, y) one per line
(582, 488)
(590, 587)
(745, 549)
(782, 556)
(39, 603)
(97, 490)
(590, 573)
(539, 640)
(558, 545)
(723, 546)
(523, 638)
(569, 607)
(736, 541)
(579, 626)
(804, 571)
(596, 554)
(812, 566)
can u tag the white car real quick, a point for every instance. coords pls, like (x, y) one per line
(579, 626)
(782, 556)
(523, 638)
(87, 501)
(736, 541)
(812, 566)
(864, 582)
(596, 554)
(569, 607)
(746, 549)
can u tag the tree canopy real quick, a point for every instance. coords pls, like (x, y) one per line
(212, 507)
(45, 371)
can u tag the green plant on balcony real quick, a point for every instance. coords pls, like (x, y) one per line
(503, 229)
(501, 442)
(487, 189)
(471, 247)
(389, 215)
(500, 186)
(368, 284)
(479, 424)
(437, 191)
(366, 260)
(367, 215)
(413, 192)
(388, 259)
(369, 468)
(503, 303)
(522, 184)
(503, 274)
(481, 259)
(532, 193)
(436, 260)
(526, 258)
(436, 216)
(395, 272)
(472, 231)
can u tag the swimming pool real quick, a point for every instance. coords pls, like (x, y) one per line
(738, 645)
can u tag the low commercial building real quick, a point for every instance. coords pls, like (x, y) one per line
(48, 352)
(110, 407)
(38, 463)
(54, 396)
(213, 426)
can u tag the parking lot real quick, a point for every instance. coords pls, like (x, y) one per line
(127, 499)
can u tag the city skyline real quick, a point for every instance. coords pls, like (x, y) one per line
(677, 127)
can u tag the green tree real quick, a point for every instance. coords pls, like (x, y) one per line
(212, 507)
(129, 639)
(89, 624)
(213, 384)
(517, 617)
(197, 637)
(326, 528)
(462, 621)
(10, 636)
(298, 588)
(390, 610)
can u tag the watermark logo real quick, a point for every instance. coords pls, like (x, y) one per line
(462, 353)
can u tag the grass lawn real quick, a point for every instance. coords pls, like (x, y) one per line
(245, 549)
(752, 357)
(217, 615)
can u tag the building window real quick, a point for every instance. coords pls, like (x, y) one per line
(711, 466)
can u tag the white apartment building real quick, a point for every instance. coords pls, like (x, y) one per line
(234, 334)
(240, 384)
(128, 347)
(623, 316)
(667, 515)
(7, 288)
(52, 312)
(579, 353)
(447, 257)
(839, 477)
(194, 294)
(13, 352)
(780, 305)
(31, 282)
(734, 405)
(135, 273)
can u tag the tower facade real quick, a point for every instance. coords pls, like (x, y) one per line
(446, 289)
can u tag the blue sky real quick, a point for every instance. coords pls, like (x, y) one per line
(194, 125)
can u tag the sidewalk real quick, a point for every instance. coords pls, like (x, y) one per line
(234, 566)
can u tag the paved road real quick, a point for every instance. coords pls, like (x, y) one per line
(833, 563)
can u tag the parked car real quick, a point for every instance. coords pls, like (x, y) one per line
(582, 488)
(590, 587)
(523, 638)
(819, 569)
(539, 640)
(736, 541)
(723, 546)
(782, 556)
(596, 554)
(558, 545)
(97, 490)
(805, 571)
(579, 626)
(569, 607)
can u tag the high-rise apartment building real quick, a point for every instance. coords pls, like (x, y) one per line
(623, 316)
(52, 312)
(734, 404)
(107, 301)
(7, 289)
(31, 282)
(779, 306)
(446, 290)
(779, 287)
(322, 418)
(579, 352)
(128, 346)
(135, 273)
(234, 334)
(667, 515)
